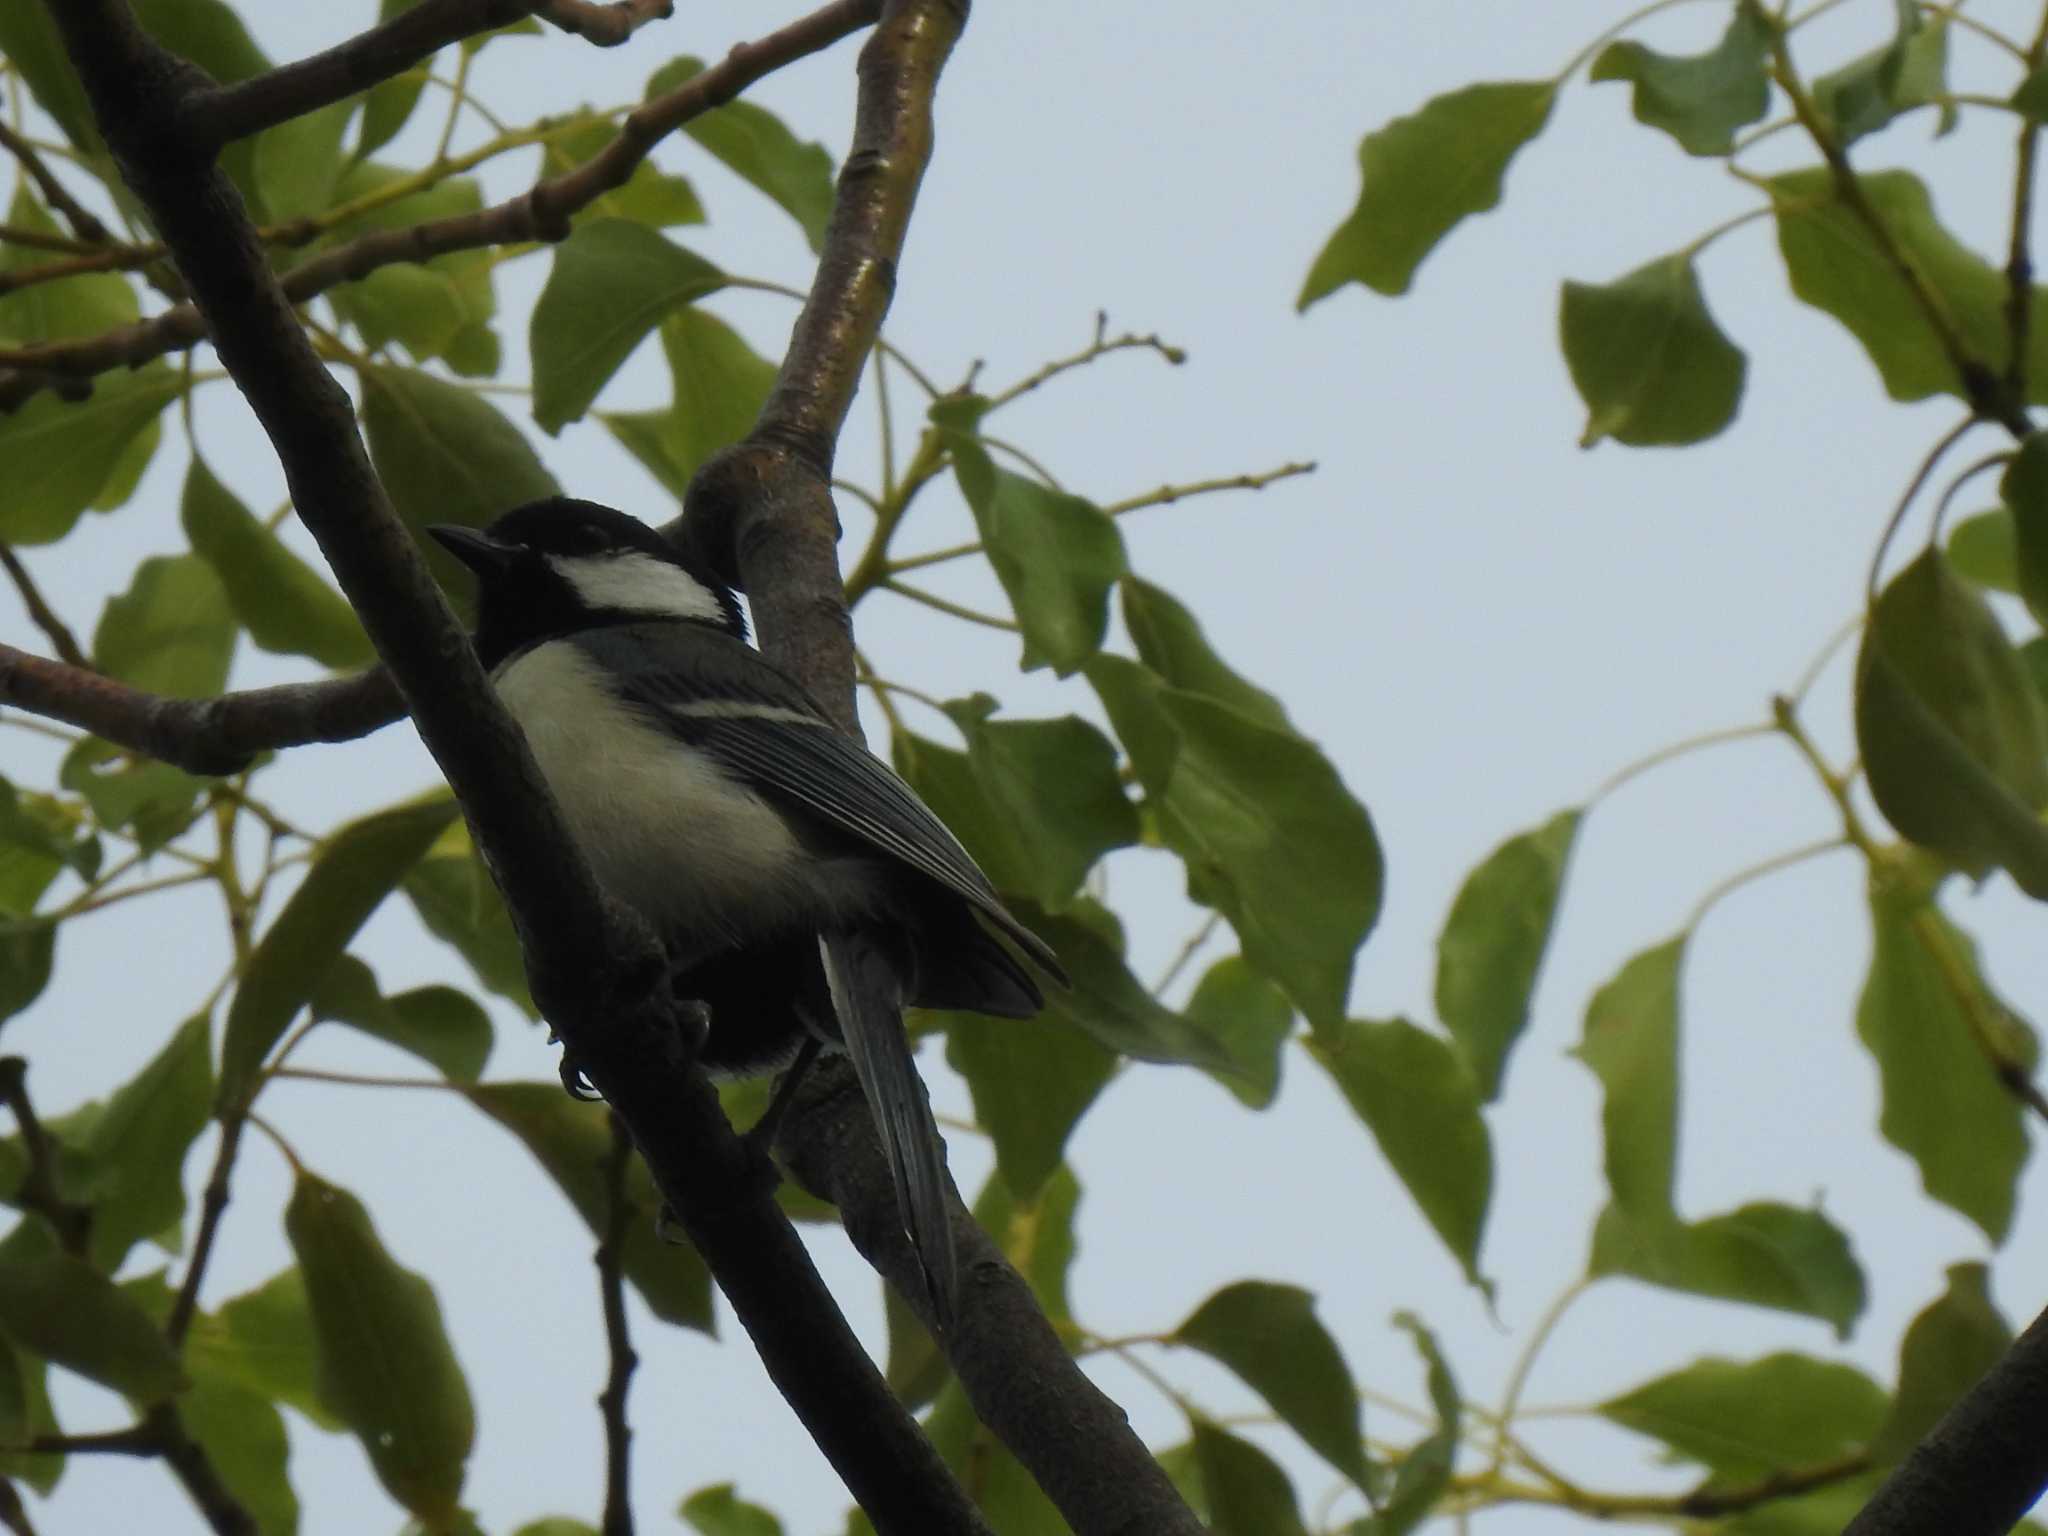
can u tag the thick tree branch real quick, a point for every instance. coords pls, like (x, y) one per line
(594, 968)
(222, 114)
(540, 213)
(606, 23)
(1019, 1377)
(1983, 1465)
(205, 736)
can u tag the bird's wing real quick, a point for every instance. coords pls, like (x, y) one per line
(722, 696)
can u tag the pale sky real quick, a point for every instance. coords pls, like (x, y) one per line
(1477, 620)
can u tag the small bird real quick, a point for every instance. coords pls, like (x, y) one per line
(802, 890)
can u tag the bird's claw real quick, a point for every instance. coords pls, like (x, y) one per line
(577, 1085)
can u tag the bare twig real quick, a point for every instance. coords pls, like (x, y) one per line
(207, 736)
(55, 193)
(611, 1279)
(62, 641)
(213, 1205)
(1101, 346)
(224, 113)
(39, 1192)
(606, 23)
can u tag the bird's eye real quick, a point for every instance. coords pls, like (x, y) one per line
(589, 539)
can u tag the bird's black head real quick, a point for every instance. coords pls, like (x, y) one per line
(558, 566)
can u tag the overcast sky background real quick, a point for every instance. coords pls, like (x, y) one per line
(1477, 620)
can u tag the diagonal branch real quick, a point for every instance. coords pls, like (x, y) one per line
(39, 1191)
(40, 613)
(222, 114)
(542, 212)
(1983, 1465)
(55, 193)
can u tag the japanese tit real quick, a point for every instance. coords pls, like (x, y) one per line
(802, 890)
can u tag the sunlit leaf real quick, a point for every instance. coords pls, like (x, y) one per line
(1764, 1254)
(59, 453)
(1743, 1420)
(1271, 1338)
(445, 1028)
(1909, 71)
(720, 1511)
(1631, 1043)
(1425, 174)
(356, 869)
(651, 195)
(1648, 360)
(386, 1366)
(1952, 731)
(1493, 942)
(263, 1340)
(1985, 549)
(138, 1140)
(720, 385)
(171, 631)
(1249, 1493)
(1699, 99)
(1031, 1083)
(1170, 641)
(1417, 1097)
(282, 601)
(753, 142)
(1943, 1104)
(84, 304)
(1425, 1472)
(611, 283)
(1947, 1350)
(244, 1439)
(1251, 1019)
(298, 160)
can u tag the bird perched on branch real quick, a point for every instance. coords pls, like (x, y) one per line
(781, 862)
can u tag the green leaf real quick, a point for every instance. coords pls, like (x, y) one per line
(1056, 556)
(386, 1366)
(1249, 1494)
(1836, 265)
(1743, 1420)
(1270, 836)
(753, 143)
(390, 103)
(24, 1382)
(1270, 1337)
(29, 40)
(447, 1029)
(1031, 1085)
(2024, 490)
(243, 1436)
(2032, 96)
(1426, 1471)
(1054, 783)
(1171, 643)
(1868, 92)
(1985, 549)
(572, 1141)
(64, 1310)
(720, 385)
(1423, 175)
(297, 162)
(651, 196)
(1952, 731)
(357, 868)
(170, 632)
(1947, 1350)
(1493, 941)
(556, 1525)
(1943, 1104)
(459, 904)
(60, 453)
(1631, 1043)
(612, 282)
(1003, 1491)
(138, 1141)
(720, 1511)
(447, 455)
(152, 800)
(1646, 357)
(283, 602)
(1767, 1255)
(1106, 1001)
(128, 468)
(1699, 99)
(68, 308)
(263, 1340)
(1250, 1018)
(1417, 1097)
(433, 308)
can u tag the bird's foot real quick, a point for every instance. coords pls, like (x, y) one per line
(692, 1030)
(577, 1085)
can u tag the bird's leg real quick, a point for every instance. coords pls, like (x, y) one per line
(760, 1137)
(574, 1082)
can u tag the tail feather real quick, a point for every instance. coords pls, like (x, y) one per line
(867, 997)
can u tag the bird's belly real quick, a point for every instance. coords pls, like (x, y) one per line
(699, 854)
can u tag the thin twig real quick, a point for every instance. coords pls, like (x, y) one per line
(1166, 495)
(2019, 265)
(55, 193)
(39, 1192)
(611, 1278)
(213, 1206)
(62, 640)
(1101, 346)
(950, 608)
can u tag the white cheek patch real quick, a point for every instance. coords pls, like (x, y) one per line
(638, 583)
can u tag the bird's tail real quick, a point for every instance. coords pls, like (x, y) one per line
(867, 997)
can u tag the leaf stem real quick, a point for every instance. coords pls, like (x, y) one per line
(1920, 477)
(1100, 346)
(950, 608)
(1677, 749)
(1727, 887)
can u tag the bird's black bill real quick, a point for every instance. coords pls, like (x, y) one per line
(479, 551)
